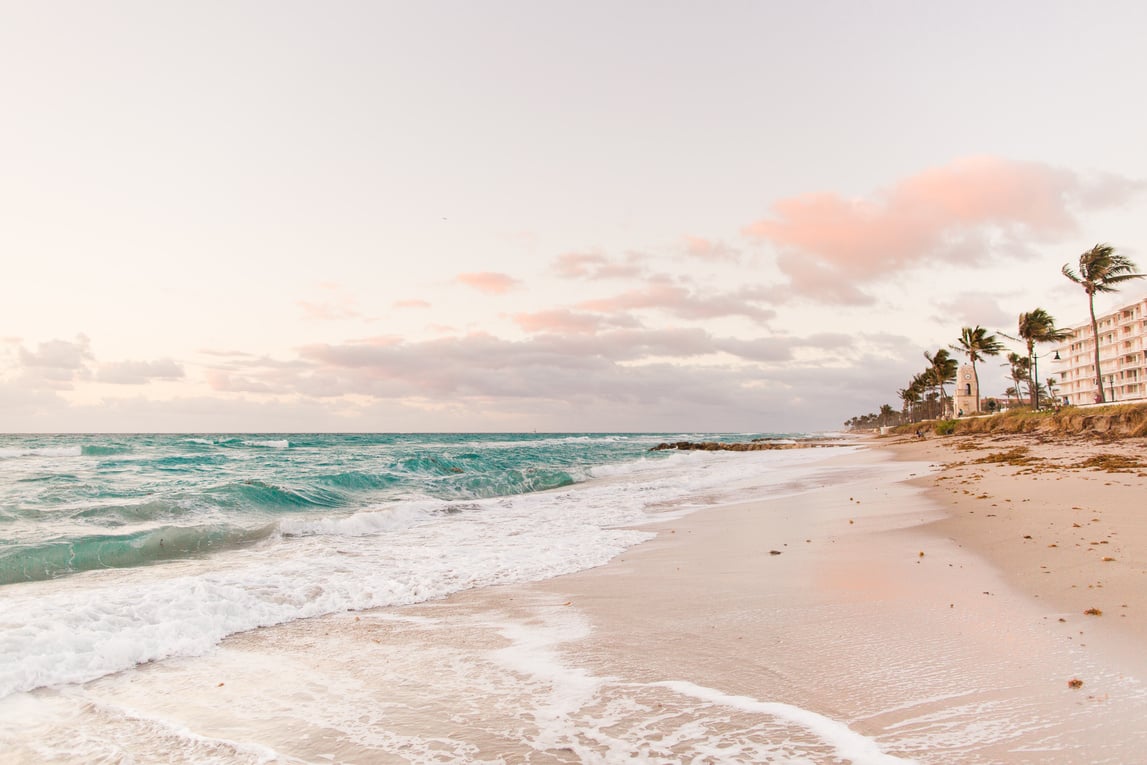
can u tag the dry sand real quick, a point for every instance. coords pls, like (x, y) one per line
(1064, 519)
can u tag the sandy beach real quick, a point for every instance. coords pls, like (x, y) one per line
(882, 609)
(1061, 519)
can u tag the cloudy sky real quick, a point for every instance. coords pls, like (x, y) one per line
(518, 215)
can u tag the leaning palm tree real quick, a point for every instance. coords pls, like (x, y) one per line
(1100, 269)
(909, 397)
(921, 384)
(976, 344)
(942, 368)
(1020, 371)
(1038, 326)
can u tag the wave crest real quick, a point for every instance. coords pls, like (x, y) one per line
(28, 563)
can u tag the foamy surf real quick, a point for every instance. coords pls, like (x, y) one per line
(73, 630)
(845, 742)
(47, 451)
(442, 683)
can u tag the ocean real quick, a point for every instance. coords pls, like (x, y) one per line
(119, 550)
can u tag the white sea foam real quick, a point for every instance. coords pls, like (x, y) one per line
(362, 523)
(47, 451)
(533, 443)
(849, 744)
(277, 444)
(74, 630)
(50, 729)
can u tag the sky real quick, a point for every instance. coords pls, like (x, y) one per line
(555, 216)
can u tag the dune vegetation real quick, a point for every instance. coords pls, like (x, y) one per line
(1114, 421)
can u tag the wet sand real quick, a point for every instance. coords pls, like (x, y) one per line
(860, 618)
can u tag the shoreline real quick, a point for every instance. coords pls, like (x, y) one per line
(915, 615)
(839, 620)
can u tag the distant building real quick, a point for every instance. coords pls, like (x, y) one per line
(1122, 357)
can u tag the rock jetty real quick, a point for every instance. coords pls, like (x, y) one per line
(755, 446)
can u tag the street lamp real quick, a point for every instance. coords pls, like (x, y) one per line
(1035, 374)
(1111, 385)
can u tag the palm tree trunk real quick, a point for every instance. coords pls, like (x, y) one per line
(1035, 384)
(976, 377)
(1095, 335)
(1032, 392)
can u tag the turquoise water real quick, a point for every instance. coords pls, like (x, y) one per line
(73, 503)
(123, 550)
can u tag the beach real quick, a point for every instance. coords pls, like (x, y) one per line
(869, 606)
(1061, 518)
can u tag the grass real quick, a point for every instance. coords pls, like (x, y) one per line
(1114, 421)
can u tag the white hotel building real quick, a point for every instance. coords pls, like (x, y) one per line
(1122, 358)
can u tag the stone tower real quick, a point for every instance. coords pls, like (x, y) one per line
(967, 398)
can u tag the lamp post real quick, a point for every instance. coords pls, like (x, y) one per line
(1035, 374)
(1111, 385)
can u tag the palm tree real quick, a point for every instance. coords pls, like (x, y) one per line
(887, 414)
(1020, 371)
(931, 404)
(942, 368)
(977, 344)
(920, 385)
(910, 396)
(1038, 326)
(1100, 269)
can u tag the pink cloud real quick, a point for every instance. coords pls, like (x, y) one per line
(326, 311)
(226, 353)
(230, 383)
(380, 341)
(596, 265)
(578, 265)
(411, 304)
(662, 293)
(940, 214)
(336, 304)
(814, 277)
(706, 249)
(489, 282)
(564, 321)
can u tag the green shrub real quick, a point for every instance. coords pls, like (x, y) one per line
(945, 427)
